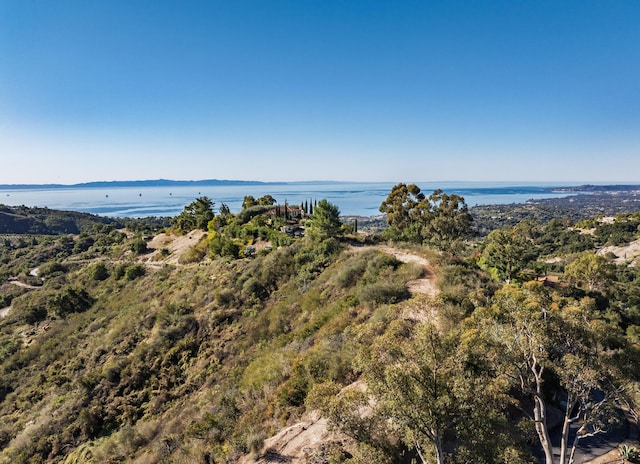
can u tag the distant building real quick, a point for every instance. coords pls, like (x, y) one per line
(290, 212)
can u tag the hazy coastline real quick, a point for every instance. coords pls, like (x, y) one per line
(162, 197)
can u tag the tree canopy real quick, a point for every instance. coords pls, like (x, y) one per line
(196, 215)
(325, 221)
(439, 219)
(507, 252)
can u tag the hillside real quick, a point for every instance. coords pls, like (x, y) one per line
(43, 221)
(176, 339)
(226, 345)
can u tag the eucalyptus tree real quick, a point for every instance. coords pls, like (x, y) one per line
(440, 392)
(542, 335)
(266, 200)
(248, 202)
(439, 219)
(444, 219)
(399, 205)
(589, 270)
(411, 376)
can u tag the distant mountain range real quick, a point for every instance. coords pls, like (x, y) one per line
(139, 183)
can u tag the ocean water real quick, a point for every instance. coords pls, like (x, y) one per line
(353, 198)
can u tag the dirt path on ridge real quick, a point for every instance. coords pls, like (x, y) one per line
(425, 284)
(23, 285)
(298, 442)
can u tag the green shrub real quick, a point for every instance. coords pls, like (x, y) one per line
(83, 243)
(221, 245)
(139, 246)
(192, 255)
(231, 249)
(119, 271)
(135, 271)
(224, 297)
(351, 273)
(293, 392)
(384, 293)
(34, 314)
(7, 348)
(253, 289)
(69, 300)
(52, 269)
(248, 213)
(8, 294)
(99, 271)
(630, 453)
(379, 266)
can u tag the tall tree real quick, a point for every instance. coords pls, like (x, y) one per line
(440, 392)
(410, 376)
(507, 252)
(445, 218)
(439, 220)
(399, 206)
(266, 200)
(196, 215)
(325, 221)
(224, 210)
(248, 202)
(589, 270)
(540, 337)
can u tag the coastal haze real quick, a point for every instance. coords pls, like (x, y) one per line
(353, 198)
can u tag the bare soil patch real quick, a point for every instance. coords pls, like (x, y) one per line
(175, 245)
(626, 254)
(299, 442)
(23, 285)
(427, 283)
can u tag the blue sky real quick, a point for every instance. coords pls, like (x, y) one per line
(300, 90)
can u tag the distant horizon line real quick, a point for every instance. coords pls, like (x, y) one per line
(228, 182)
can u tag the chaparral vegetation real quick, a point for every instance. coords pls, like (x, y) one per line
(286, 333)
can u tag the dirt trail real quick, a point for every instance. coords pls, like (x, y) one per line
(23, 285)
(426, 284)
(175, 245)
(298, 442)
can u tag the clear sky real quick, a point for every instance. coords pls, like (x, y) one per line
(319, 90)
